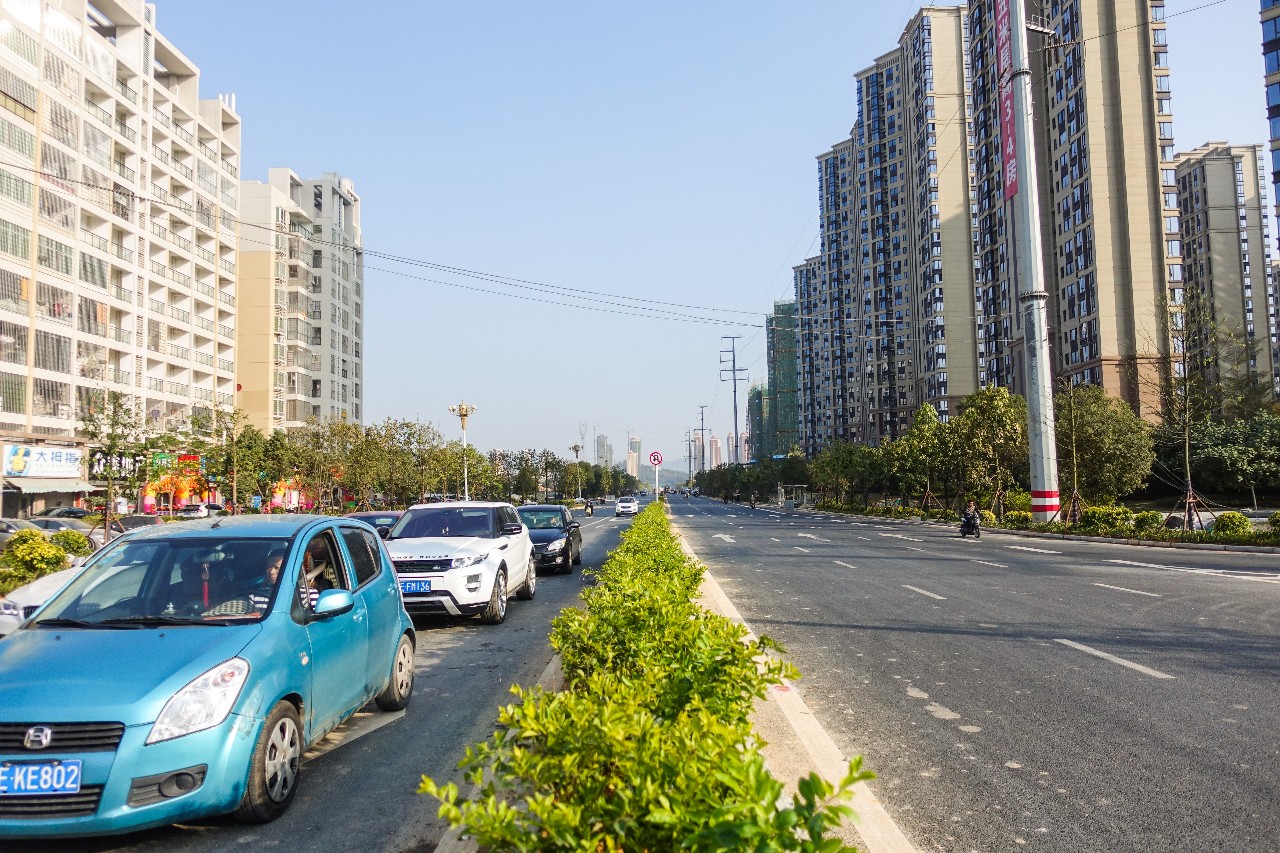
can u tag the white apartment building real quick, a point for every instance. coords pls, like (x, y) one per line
(118, 213)
(300, 338)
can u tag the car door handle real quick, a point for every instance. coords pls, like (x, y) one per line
(502, 547)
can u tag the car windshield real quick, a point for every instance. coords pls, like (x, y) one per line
(542, 519)
(444, 521)
(22, 524)
(375, 519)
(156, 582)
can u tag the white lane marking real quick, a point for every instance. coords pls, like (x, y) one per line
(865, 538)
(1146, 670)
(923, 592)
(775, 540)
(811, 536)
(1036, 550)
(798, 548)
(846, 565)
(1222, 573)
(360, 724)
(1126, 589)
(724, 536)
(985, 563)
(910, 548)
(900, 536)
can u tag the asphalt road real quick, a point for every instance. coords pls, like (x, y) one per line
(358, 788)
(1018, 693)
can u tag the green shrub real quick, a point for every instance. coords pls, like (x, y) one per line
(73, 542)
(29, 555)
(1105, 520)
(1148, 521)
(943, 515)
(1016, 499)
(988, 517)
(649, 746)
(1018, 519)
(1232, 524)
(1274, 521)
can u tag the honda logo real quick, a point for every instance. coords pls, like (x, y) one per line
(38, 737)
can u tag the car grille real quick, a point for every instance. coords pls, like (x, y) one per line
(29, 609)
(67, 737)
(422, 565)
(34, 806)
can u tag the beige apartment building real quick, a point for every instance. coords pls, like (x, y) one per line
(1230, 299)
(300, 337)
(118, 219)
(1108, 200)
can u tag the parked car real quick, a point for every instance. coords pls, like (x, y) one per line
(254, 636)
(556, 537)
(20, 603)
(462, 558)
(200, 510)
(133, 522)
(386, 518)
(10, 526)
(64, 512)
(626, 506)
(93, 532)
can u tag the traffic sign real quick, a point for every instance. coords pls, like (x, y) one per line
(655, 458)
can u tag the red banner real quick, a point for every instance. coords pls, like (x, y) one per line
(1008, 121)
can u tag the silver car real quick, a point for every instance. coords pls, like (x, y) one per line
(23, 601)
(626, 506)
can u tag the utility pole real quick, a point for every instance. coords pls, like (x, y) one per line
(688, 452)
(733, 372)
(1021, 186)
(702, 430)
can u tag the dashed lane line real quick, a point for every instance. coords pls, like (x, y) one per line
(1126, 589)
(985, 563)
(1035, 550)
(846, 565)
(1145, 670)
(924, 592)
(798, 548)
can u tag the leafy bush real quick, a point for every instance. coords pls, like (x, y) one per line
(1105, 520)
(1274, 521)
(649, 747)
(73, 542)
(1016, 499)
(1018, 519)
(29, 555)
(988, 517)
(1148, 521)
(943, 515)
(1232, 524)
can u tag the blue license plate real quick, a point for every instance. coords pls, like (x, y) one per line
(415, 586)
(49, 777)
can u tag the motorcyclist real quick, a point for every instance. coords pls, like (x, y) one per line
(971, 520)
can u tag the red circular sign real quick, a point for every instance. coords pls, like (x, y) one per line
(655, 458)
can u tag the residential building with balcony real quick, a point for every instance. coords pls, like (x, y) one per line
(301, 324)
(119, 201)
(1270, 18)
(1228, 327)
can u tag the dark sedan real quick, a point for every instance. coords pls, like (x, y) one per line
(386, 518)
(556, 537)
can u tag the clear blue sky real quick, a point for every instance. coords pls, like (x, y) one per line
(658, 150)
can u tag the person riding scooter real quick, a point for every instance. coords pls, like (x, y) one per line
(589, 510)
(971, 521)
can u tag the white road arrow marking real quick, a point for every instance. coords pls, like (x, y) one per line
(725, 537)
(1146, 670)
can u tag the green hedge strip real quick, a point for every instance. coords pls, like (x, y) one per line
(649, 746)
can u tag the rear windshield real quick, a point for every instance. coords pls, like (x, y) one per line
(445, 522)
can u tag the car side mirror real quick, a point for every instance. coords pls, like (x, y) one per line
(384, 532)
(334, 602)
(573, 524)
(76, 562)
(512, 529)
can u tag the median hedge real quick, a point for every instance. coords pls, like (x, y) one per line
(649, 746)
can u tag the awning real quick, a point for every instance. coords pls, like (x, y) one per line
(47, 485)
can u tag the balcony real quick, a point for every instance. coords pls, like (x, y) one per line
(120, 377)
(226, 331)
(122, 293)
(124, 336)
(158, 268)
(205, 289)
(203, 394)
(180, 241)
(124, 89)
(183, 134)
(98, 112)
(159, 230)
(125, 172)
(183, 170)
(205, 323)
(226, 299)
(179, 388)
(99, 243)
(225, 365)
(125, 131)
(122, 253)
(161, 194)
(154, 384)
(178, 314)
(156, 305)
(205, 255)
(180, 277)
(202, 358)
(208, 152)
(162, 119)
(93, 328)
(224, 399)
(227, 266)
(178, 352)
(230, 168)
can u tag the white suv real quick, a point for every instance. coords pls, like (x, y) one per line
(626, 506)
(462, 558)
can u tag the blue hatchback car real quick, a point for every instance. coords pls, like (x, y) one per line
(185, 670)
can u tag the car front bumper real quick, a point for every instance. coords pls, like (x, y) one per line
(452, 592)
(131, 774)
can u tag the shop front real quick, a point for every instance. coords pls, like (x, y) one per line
(38, 477)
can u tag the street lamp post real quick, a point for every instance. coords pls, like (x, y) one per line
(462, 410)
(577, 448)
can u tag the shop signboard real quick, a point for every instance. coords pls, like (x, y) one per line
(26, 460)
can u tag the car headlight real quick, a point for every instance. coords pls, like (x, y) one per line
(203, 703)
(464, 562)
(9, 608)
(558, 545)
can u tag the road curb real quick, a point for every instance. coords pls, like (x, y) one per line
(453, 841)
(876, 829)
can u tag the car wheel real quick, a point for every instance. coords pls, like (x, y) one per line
(396, 696)
(496, 612)
(529, 588)
(273, 769)
(577, 558)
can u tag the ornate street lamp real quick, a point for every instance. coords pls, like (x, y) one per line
(462, 410)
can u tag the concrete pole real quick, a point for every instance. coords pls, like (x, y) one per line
(1032, 296)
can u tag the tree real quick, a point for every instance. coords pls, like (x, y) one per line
(1242, 453)
(116, 448)
(991, 441)
(1104, 449)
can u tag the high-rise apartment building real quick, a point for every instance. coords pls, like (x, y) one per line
(699, 452)
(716, 459)
(118, 219)
(756, 413)
(1271, 61)
(301, 318)
(604, 452)
(1230, 297)
(1108, 196)
(633, 455)
(813, 342)
(780, 427)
